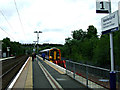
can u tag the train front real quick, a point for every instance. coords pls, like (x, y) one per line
(55, 57)
(54, 54)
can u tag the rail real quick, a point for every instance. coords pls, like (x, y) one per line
(6, 58)
(9, 70)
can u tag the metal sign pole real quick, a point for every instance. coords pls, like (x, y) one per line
(112, 72)
(111, 50)
(111, 44)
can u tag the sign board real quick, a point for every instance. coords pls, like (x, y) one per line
(109, 23)
(102, 6)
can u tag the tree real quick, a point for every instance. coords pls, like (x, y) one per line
(91, 32)
(6, 43)
(87, 47)
(80, 47)
(15, 47)
(102, 51)
(117, 47)
(78, 34)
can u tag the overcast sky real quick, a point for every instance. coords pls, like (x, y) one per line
(55, 18)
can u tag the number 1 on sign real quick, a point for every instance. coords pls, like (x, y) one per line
(102, 5)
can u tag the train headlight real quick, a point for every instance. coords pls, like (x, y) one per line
(50, 57)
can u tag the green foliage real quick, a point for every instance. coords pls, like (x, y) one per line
(102, 51)
(91, 31)
(117, 47)
(78, 34)
(46, 47)
(15, 47)
(86, 47)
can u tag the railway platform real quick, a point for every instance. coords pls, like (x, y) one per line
(52, 76)
(40, 74)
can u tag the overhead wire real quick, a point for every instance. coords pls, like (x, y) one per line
(6, 20)
(8, 24)
(19, 17)
(6, 33)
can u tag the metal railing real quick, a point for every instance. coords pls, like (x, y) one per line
(91, 76)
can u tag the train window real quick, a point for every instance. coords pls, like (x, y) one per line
(45, 53)
(51, 53)
(58, 53)
(48, 53)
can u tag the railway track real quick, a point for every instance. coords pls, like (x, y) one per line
(10, 68)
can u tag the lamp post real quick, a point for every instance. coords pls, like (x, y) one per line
(37, 37)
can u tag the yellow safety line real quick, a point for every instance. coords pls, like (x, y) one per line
(29, 80)
(52, 81)
(54, 68)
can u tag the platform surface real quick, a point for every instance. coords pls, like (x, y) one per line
(40, 81)
(25, 80)
(35, 76)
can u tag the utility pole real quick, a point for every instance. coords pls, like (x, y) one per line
(37, 38)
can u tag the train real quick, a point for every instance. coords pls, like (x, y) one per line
(53, 55)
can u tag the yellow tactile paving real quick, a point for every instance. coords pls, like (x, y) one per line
(19, 81)
(61, 72)
(29, 80)
(55, 68)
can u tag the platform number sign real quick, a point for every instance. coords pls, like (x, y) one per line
(102, 7)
